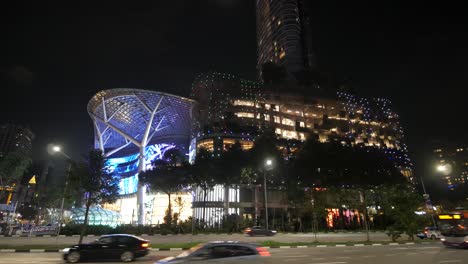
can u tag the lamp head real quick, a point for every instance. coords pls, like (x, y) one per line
(56, 148)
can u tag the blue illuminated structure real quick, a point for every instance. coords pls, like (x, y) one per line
(127, 167)
(133, 127)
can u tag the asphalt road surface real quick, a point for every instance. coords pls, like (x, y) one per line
(411, 254)
(158, 239)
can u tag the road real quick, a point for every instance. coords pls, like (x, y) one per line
(158, 239)
(426, 254)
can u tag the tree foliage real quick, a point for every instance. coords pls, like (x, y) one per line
(91, 180)
(169, 176)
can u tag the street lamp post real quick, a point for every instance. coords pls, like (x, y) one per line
(57, 149)
(268, 165)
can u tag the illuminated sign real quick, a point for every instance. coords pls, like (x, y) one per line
(449, 217)
(127, 167)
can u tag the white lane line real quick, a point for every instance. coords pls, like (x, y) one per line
(370, 256)
(339, 262)
(352, 250)
(389, 255)
(450, 261)
(343, 257)
(296, 256)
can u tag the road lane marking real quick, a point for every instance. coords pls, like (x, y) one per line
(339, 262)
(389, 255)
(369, 256)
(343, 257)
(449, 261)
(340, 245)
(377, 244)
(322, 246)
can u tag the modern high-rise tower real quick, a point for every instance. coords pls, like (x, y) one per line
(283, 35)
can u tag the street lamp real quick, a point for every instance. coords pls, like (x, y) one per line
(57, 149)
(268, 166)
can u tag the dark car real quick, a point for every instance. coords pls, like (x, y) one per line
(123, 247)
(259, 231)
(221, 252)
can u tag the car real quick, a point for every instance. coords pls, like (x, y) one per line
(259, 231)
(220, 252)
(430, 232)
(120, 246)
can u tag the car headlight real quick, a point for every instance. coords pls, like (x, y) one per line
(65, 250)
(273, 231)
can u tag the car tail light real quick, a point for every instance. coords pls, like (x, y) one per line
(145, 245)
(263, 252)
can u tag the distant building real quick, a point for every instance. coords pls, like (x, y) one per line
(283, 35)
(15, 138)
(451, 163)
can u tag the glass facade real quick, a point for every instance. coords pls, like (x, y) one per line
(96, 216)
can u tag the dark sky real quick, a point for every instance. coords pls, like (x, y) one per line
(55, 57)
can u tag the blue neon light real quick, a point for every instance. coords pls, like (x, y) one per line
(127, 167)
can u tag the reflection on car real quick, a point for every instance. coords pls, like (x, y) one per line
(259, 231)
(123, 247)
(221, 252)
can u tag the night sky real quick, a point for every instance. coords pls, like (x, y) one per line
(55, 57)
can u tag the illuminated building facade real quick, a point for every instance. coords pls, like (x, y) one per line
(451, 163)
(232, 109)
(132, 128)
(283, 35)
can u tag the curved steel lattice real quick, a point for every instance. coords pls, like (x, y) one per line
(125, 118)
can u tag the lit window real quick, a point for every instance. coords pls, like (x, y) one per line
(277, 119)
(282, 54)
(243, 102)
(276, 108)
(267, 106)
(287, 122)
(289, 134)
(301, 124)
(267, 117)
(278, 131)
(244, 114)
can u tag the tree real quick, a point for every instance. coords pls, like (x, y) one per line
(169, 176)
(12, 168)
(202, 174)
(91, 180)
(400, 203)
(229, 167)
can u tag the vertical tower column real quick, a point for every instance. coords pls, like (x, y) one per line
(141, 188)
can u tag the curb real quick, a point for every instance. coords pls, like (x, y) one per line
(188, 234)
(179, 249)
